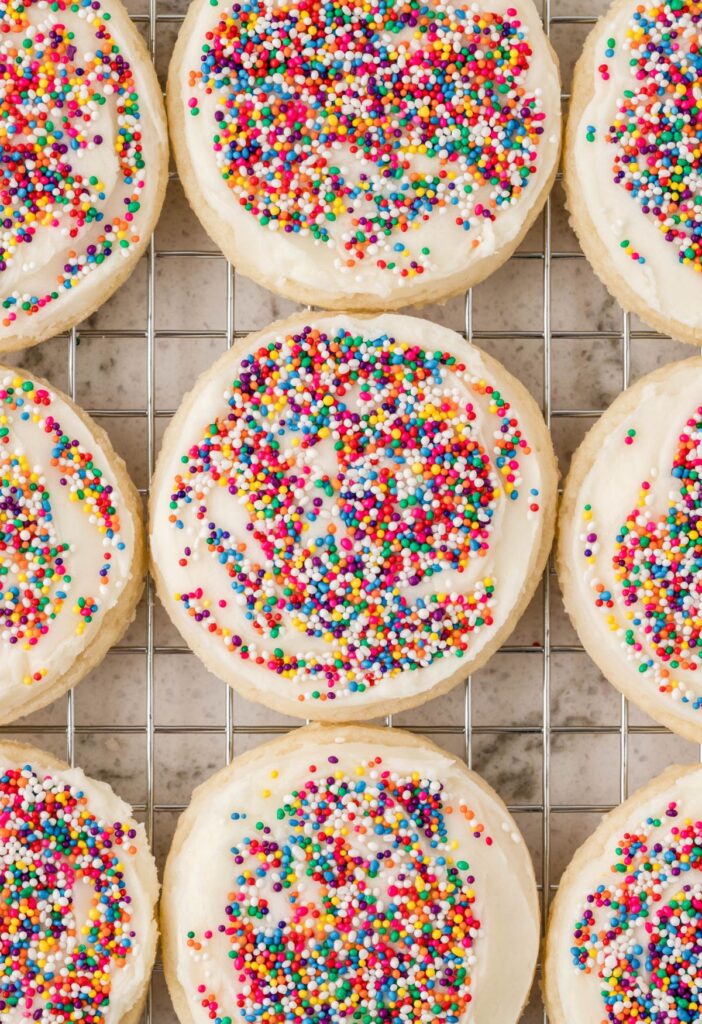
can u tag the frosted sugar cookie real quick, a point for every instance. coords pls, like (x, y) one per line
(84, 161)
(72, 555)
(365, 156)
(632, 160)
(77, 918)
(348, 874)
(625, 933)
(349, 514)
(630, 555)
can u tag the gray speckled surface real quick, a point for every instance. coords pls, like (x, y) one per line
(586, 373)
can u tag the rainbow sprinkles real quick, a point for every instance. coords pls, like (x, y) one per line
(625, 936)
(656, 133)
(342, 951)
(51, 844)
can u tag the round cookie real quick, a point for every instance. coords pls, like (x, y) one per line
(349, 514)
(625, 931)
(348, 874)
(77, 920)
(365, 157)
(84, 161)
(72, 548)
(629, 553)
(632, 161)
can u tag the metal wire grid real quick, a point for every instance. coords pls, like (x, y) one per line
(546, 256)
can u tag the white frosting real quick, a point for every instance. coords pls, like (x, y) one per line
(660, 416)
(506, 947)
(141, 882)
(73, 523)
(287, 260)
(513, 541)
(666, 286)
(34, 269)
(579, 993)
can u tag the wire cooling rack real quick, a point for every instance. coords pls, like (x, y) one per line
(556, 740)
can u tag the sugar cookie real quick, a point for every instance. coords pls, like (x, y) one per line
(625, 933)
(72, 552)
(632, 160)
(349, 514)
(343, 874)
(84, 161)
(77, 918)
(629, 553)
(366, 156)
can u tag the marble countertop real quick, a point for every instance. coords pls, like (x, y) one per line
(522, 690)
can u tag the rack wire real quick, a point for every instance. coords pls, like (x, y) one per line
(457, 720)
